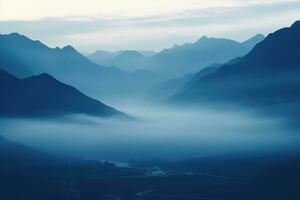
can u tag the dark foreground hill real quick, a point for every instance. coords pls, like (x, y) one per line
(29, 174)
(43, 95)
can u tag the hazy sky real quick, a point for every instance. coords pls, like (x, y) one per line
(142, 24)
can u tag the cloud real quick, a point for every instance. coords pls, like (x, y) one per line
(37, 9)
(161, 133)
(234, 19)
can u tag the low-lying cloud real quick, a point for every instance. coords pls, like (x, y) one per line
(157, 133)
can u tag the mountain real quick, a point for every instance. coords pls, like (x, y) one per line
(168, 88)
(179, 60)
(107, 57)
(101, 57)
(43, 95)
(268, 76)
(128, 60)
(195, 56)
(65, 64)
(250, 43)
(24, 57)
(203, 72)
(147, 53)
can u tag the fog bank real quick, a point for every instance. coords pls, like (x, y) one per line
(157, 133)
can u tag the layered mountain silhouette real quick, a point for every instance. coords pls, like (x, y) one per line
(24, 57)
(250, 43)
(128, 60)
(205, 71)
(169, 88)
(43, 95)
(192, 57)
(267, 76)
(179, 60)
(102, 57)
(105, 57)
(172, 86)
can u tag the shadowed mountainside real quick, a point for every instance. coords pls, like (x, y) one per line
(43, 95)
(267, 77)
(24, 57)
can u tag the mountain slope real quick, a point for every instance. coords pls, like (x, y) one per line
(101, 57)
(65, 64)
(43, 95)
(169, 88)
(24, 57)
(187, 58)
(250, 43)
(268, 76)
(128, 60)
(205, 71)
(192, 57)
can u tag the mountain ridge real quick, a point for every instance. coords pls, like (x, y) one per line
(187, 58)
(266, 77)
(43, 95)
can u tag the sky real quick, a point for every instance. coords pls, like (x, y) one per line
(113, 25)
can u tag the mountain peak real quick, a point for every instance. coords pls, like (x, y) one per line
(45, 75)
(100, 52)
(43, 95)
(251, 42)
(296, 24)
(15, 34)
(130, 53)
(203, 38)
(42, 77)
(259, 35)
(68, 48)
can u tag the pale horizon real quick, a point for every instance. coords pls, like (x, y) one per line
(142, 25)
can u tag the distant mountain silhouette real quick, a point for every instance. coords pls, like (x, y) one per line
(168, 88)
(128, 60)
(147, 53)
(250, 43)
(43, 95)
(180, 59)
(267, 76)
(24, 57)
(205, 71)
(195, 56)
(172, 86)
(102, 57)
(107, 58)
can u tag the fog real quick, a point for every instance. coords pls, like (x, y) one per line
(155, 133)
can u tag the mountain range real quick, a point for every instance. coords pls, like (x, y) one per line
(42, 95)
(24, 57)
(268, 76)
(180, 59)
(126, 59)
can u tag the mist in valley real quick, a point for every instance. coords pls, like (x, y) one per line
(155, 133)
